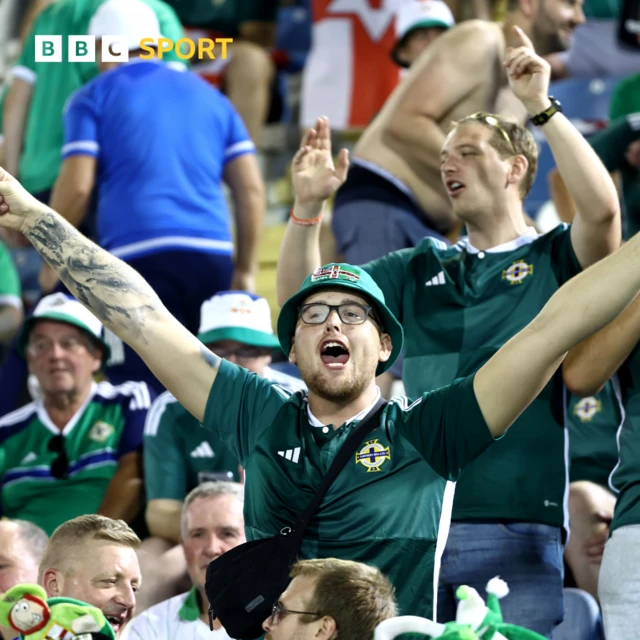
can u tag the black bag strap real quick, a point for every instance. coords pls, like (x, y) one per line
(367, 424)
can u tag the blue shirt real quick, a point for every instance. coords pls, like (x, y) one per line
(162, 138)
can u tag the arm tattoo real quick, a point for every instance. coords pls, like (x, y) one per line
(112, 290)
(210, 358)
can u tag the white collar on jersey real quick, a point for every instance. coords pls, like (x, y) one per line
(48, 423)
(526, 238)
(314, 422)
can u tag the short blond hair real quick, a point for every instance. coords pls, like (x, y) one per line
(69, 535)
(356, 595)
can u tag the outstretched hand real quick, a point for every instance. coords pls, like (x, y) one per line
(528, 74)
(16, 204)
(315, 178)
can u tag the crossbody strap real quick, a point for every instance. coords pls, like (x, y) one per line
(367, 424)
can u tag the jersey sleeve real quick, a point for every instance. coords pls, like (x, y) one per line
(10, 291)
(165, 468)
(612, 143)
(446, 426)
(238, 140)
(241, 405)
(562, 256)
(389, 273)
(81, 122)
(135, 414)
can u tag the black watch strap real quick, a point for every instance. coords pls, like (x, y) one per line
(543, 117)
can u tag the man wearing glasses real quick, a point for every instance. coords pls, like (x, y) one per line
(76, 450)
(179, 454)
(459, 305)
(331, 598)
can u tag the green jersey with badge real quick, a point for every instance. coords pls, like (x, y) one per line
(108, 426)
(626, 476)
(458, 306)
(53, 83)
(593, 424)
(390, 504)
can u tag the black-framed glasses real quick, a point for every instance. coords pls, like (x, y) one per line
(492, 121)
(60, 465)
(349, 313)
(278, 612)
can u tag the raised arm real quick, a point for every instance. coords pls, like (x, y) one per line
(315, 178)
(516, 374)
(116, 294)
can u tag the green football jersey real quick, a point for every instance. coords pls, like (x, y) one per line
(626, 476)
(10, 290)
(53, 84)
(389, 506)
(593, 424)
(179, 452)
(458, 306)
(611, 146)
(108, 426)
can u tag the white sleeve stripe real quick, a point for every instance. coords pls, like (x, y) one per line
(24, 73)
(11, 300)
(158, 407)
(245, 145)
(81, 145)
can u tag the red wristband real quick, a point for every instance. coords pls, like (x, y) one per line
(305, 222)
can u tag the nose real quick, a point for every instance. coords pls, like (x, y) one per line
(232, 358)
(579, 15)
(214, 547)
(126, 596)
(333, 321)
(266, 625)
(56, 352)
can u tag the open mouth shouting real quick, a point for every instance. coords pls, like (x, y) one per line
(334, 353)
(116, 621)
(454, 188)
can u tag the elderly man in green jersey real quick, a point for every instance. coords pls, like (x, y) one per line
(458, 305)
(390, 506)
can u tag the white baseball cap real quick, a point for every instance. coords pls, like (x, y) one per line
(421, 14)
(132, 20)
(239, 316)
(63, 308)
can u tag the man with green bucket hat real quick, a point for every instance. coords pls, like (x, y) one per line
(391, 504)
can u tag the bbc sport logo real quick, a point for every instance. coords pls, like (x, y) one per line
(115, 49)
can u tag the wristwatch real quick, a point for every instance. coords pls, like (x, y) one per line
(544, 116)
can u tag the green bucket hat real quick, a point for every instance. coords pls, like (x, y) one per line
(63, 308)
(352, 278)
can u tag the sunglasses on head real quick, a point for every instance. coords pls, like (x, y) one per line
(492, 121)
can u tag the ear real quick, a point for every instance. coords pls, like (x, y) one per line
(519, 167)
(53, 582)
(327, 629)
(292, 353)
(385, 347)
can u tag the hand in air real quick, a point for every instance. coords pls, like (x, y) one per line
(315, 178)
(528, 74)
(16, 204)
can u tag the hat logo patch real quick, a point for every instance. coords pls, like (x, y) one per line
(335, 272)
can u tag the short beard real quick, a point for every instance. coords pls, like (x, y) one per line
(342, 396)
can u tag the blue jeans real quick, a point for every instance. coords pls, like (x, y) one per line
(527, 556)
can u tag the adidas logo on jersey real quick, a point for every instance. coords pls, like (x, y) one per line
(291, 454)
(203, 450)
(436, 280)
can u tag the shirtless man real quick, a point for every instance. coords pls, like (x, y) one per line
(394, 195)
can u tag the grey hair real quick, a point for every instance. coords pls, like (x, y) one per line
(33, 536)
(210, 490)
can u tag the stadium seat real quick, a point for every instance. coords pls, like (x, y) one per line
(586, 103)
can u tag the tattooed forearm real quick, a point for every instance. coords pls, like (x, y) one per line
(210, 358)
(112, 290)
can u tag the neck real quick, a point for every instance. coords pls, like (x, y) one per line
(203, 603)
(337, 413)
(503, 226)
(61, 407)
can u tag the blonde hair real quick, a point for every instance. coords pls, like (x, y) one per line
(69, 535)
(509, 139)
(357, 596)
